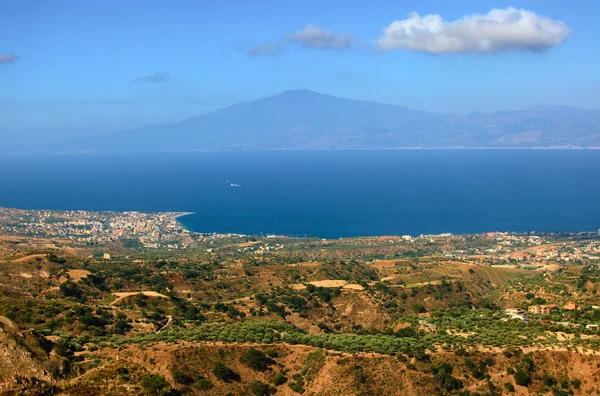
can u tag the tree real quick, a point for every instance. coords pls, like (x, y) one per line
(522, 378)
(223, 372)
(418, 307)
(203, 384)
(182, 378)
(121, 327)
(443, 376)
(256, 359)
(260, 389)
(155, 385)
(70, 289)
(279, 378)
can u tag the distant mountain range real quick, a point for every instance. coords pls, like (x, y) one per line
(303, 120)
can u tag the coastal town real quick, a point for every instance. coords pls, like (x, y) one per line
(150, 230)
(163, 230)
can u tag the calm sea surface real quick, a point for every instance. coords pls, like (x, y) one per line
(327, 193)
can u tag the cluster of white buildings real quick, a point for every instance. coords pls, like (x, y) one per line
(150, 229)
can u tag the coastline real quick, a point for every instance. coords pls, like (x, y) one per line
(233, 150)
(177, 218)
(177, 215)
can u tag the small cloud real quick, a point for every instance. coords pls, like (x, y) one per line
(243, 45)
(267, 49)
(7, 58)
(153, 78)
(498, 30)
(316, 37)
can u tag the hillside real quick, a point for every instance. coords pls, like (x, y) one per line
(291, 316)
(306, 120)
(23, 357)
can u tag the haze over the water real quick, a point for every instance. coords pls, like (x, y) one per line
(74, 69)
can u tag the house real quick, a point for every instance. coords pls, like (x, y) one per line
(536, 309)
(571, 306)
(513, 311)
(592, 326)
(520, 316)
(542, 309)
(106, 256)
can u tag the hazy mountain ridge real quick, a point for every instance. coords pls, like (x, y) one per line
(303, 119)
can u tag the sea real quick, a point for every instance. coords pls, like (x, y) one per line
(325, 194)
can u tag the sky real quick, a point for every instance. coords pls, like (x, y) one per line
(91, 67)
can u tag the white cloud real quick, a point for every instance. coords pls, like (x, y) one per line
(266, 49)
(316, 37)
(6, 58)
(498, 30)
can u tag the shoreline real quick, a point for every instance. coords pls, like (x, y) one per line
(212, 151)
(177, 215)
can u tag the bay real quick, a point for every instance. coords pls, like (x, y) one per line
(326, 194)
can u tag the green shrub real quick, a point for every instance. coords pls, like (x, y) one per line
(522, 378)
(155, 385)
(279, 378)
(182, 378)
(549, 380)
(256, 359)
(203, 384)
(297, 385)
(223, 372)
(443, 376)
(260, 389)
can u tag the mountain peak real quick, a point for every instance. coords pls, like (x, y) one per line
(301, 92)
(304, 119)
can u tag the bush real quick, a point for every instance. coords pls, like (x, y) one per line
(298, 384)
(203, 384)
(182, 378)
(256, 359)
(576, 383)
(522, 378)
(260, 389)
(70, 289)
(549, 380)
(509, 387)
(279, 379)
(155, 385)
(443, 376)
(223, 372)
(55, 259)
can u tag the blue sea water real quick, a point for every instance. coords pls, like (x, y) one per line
(326, 193)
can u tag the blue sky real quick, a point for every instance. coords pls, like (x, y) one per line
(102, 66)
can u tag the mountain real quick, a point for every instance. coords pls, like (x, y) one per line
(302, 119)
